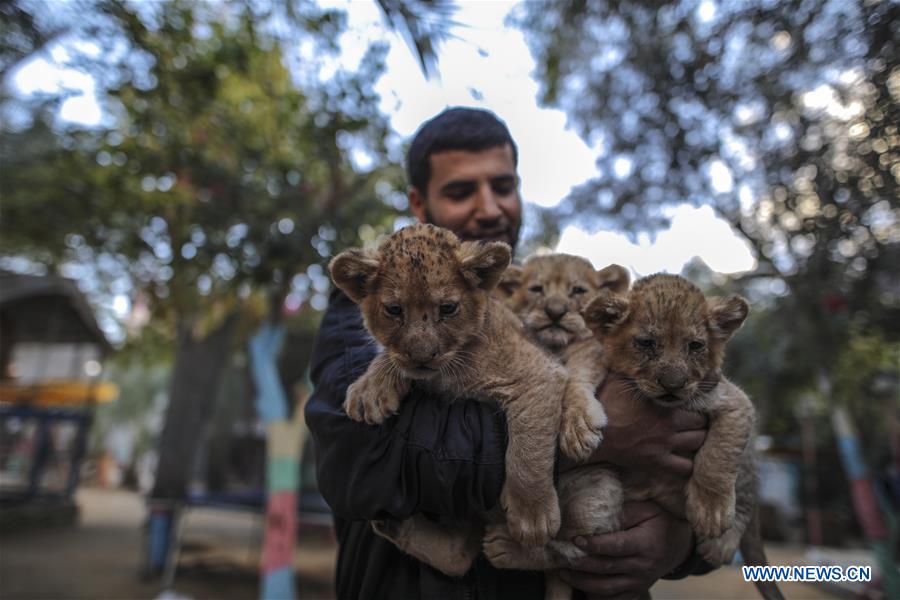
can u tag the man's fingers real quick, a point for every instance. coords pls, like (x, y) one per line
(616, 544)
(688, 441)
(602, 586)
(686, 420)
(634, 513)
(601, 565)
(677, 465)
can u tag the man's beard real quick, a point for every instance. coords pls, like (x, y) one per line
(511, 234)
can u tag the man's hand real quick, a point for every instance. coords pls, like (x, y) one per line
(642, 435)
(624, 564)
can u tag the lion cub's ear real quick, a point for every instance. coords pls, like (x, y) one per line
(726, 315)
(615, 278)
(510, 282)
(483, 264)
(606, 312)
(352, 271)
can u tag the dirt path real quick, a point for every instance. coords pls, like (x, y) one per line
(99, 559)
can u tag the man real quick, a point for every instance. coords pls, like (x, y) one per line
(439, 458)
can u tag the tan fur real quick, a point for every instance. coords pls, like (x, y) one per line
(647, 337)
(669, 341)
(548, 293)
(426, 298)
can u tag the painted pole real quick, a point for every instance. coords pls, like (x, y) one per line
(283, 446)
(865, 500)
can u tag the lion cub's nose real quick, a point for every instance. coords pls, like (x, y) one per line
(672, 382)
(422, 358)
(555, 310)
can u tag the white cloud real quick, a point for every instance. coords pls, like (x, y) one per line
(486, 65)
(694, 232)
(40, 76)
(81, 109)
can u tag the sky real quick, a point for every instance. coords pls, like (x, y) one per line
(486, 65)
(489, 65)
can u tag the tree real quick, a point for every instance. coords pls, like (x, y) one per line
(22, 35)
(424, 24)
(780, 116)
(219, 187)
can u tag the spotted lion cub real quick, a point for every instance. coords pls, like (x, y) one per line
(548, 293)
(668, 341)
(425, 296)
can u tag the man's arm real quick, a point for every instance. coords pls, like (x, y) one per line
(434, 457)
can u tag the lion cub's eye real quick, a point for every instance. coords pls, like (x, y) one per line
(645, 343)
(696, 346)
(578, 290)
(449, 308)
(537, 289)
(393, 310)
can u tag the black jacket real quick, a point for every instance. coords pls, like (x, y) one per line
(434, 457)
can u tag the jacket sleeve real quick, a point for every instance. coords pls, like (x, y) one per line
(434, 457)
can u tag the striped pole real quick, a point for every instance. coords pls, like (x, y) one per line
(284, 442)
(865, 500)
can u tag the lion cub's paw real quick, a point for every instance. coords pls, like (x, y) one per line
(583, 419)
(719, 551)
(710, 512)
(504, 552)
(500, 549)
(370, 402)
(531, 521)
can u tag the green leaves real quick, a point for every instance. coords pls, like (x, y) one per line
(218, 173)
(780, 116)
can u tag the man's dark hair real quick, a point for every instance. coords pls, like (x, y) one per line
(457, 128)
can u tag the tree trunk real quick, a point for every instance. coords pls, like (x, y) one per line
(199, 365)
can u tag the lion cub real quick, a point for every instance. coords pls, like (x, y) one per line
(425, 296)
(548, 293)
(668, 341)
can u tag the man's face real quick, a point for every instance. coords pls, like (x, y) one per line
(473, 194)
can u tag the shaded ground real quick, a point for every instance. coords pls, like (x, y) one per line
(99, 559)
